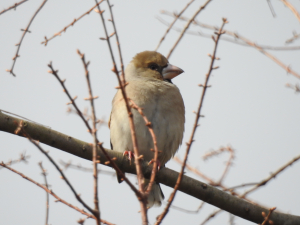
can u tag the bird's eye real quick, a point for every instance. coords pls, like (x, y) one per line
(153, 67)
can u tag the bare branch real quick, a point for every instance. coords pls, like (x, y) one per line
(149, 126)
(13, 7)
(234, 40)
(292, 39)
(53, 194)
(296, 87)
(189, 144)
(168, 177)
(44, 173)
(210, 216)
(23, 158)
(111, 161)
(71, 24)
(95, 143)
(11, 71)
(174, 21)
(292, 8)
(263, 182)
(271, 8)
(250, 43)
(122, 84)
(187, 26)
(266, 220)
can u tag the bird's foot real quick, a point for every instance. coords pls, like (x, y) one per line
(129, 154)
(158, 164)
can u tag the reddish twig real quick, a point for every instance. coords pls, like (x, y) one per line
(296, 87)
(187, 26)
(266, 220)
(198, 113)
(110, 160)
(94, 134)
(23, 158)
(251, 44)
(174, 21)
(235, 40)
(117, 39)
(13, 7)
(19, 44)
(240, 186)
(292, 39)
(263, 182)
(228, 163)
(71, 24)
(122, 84)
(44, 173)
(212, 215)
(35, 143)
(150, 128)
(292, 8)
(48, 191)
(53, 194)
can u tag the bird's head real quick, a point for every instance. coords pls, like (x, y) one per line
(152, 64)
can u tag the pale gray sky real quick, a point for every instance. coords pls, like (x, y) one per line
(248, 106)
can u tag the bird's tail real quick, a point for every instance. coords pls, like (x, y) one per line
(156, 195)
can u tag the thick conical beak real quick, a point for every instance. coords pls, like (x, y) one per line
(171, 71)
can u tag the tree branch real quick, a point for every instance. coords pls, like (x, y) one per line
(168, 177)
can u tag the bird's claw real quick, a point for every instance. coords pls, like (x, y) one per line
(129, 154)
(157, 163)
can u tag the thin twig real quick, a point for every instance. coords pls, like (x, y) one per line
(240, 186)
(234, 41)
(266, 220)
(85, 169)
(252, 44)
(94, 134)
(271, 8)
(19, 44)
(165, 176)
(111, 161)
(198, 113)
(292, 39)
(228, 163)
(212, 215)
(44, 173)
(186, 210)
(263, 182)
(150, 128)
(59, 33)
(171, 25)
(53, 194)
(187, 26)
(48, 191)
(35, 143)
(292, 8)
(122, 84)
(23, 158)
(13, 7)
(117, 39)
(296, 87)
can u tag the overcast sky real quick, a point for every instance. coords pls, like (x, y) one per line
(248, 107)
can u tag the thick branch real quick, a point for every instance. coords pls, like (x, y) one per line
(168, 177)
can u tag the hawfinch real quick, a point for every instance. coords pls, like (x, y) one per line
(149, 77)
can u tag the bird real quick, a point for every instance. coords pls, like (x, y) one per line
(149, 76)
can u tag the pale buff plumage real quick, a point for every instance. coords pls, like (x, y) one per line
(162, 104)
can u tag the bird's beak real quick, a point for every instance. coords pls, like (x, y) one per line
(171, 71)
